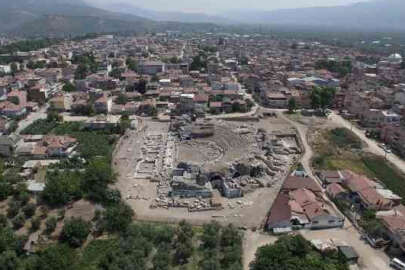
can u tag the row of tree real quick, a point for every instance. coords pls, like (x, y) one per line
(321, 99)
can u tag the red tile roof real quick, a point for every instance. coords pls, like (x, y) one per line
(296, 182)
(335, 189)
(394, 223)
(280, 210)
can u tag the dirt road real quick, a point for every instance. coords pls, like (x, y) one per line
(370, 258)
(251, 242)
(302, 132)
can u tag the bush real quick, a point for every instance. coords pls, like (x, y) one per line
(29, 210)
(23, 198)
(3, 221)
(35, 224)
(12, 176)
(5, 189)
(75, 232)
(18, 221)
(118, 217)
(61, 214)
(50, 225)
(13, 208)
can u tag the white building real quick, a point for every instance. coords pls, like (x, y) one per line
(6, 69)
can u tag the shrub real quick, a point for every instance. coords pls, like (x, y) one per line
(75, 232)
(35, 224)
(3, 221)
(29, 210)
(5, 189)
(18, 221)
(13, 208)
(118, 217)
(50, 225)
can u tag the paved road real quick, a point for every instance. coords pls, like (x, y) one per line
(31, 118)
(372, 145)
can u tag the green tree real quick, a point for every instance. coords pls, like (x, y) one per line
(50, 224)
(184, 245)
(131, 63)
(69, 87)
(322, 97)
(97, 177)
(294, 252)
(292, 105)
(35, 224)
(155, 78)
(118, 217)
(5, 190)
(8, 260)
(162, 259)
(210, 237)
(3, 221)
(13, 208)
(14, 68)
(116, 73)
(9, 241)
(75, 232)
(81, 71)
(29, 210)
(121, 99)
(141, 86)
(12, 176)
(198, 63)
(57, 257)
(18, 221)
(62, 187)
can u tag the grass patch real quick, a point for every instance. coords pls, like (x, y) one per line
(387, 174)
(39, 127)
(344, 138)
(91, 143)
(334, 151)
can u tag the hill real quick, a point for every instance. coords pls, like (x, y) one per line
(379, 15)
(33, 17)
(60, 25)
(186, 17)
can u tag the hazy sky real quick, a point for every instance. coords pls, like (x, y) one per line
(213, 6)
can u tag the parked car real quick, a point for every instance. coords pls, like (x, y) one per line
(397, 264)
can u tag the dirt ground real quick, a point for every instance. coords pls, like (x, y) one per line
(370, 258)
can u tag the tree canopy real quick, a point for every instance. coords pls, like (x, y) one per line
(294, 252)
(322, 97)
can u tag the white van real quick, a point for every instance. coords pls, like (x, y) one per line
(397, 264)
